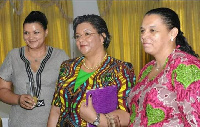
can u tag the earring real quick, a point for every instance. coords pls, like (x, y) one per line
(171, 39)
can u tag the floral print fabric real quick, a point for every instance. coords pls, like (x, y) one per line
(172, 98)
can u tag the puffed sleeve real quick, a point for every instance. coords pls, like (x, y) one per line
(186, 81)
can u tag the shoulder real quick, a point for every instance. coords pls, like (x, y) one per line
(185, 68)
(14, 52)
(72, 62)
(179, 57)
(59, 52)
(56, 50)
(119, 63)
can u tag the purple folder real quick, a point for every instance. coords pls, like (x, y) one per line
(104, 99)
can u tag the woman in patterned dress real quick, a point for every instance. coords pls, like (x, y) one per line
(168, 91)
(95, 69)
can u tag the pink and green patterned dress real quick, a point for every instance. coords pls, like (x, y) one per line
(172, 98)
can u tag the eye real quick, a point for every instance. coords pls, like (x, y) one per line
(87, 34)
(141, 31)
(25, 32)
(77, 36)
(152, 30)
(36, 32)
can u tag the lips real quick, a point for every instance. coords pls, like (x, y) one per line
(146, 44)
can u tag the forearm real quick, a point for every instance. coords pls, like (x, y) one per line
(7, 96)
(53, 116)
(123, 116)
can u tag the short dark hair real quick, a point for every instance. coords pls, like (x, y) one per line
(171, 19)
(37, 16)
(97, 22)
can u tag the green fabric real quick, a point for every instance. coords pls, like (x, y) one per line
(187, 74)
(81, 78)
(154, 115)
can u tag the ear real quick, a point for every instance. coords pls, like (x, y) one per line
(46, 32)
(173, 33)
(103, 36)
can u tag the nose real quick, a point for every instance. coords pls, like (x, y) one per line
(31, 36)
(144, 34)
(81, 38)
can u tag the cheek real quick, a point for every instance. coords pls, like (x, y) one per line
(77, 44)
(25, 37)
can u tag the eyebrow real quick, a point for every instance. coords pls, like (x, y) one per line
(150, 27)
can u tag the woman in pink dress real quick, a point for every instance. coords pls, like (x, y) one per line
(168, 91)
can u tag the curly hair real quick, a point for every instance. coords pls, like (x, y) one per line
(97, 22)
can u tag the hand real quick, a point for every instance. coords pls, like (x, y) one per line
(113, 121)
(26, 101)
(87, 112)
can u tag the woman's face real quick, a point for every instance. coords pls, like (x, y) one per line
(155, 35)
(88, 41)
(34, 35)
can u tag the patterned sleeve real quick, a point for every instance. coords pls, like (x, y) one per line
(127, 82)
(56, 98)
(186, 81)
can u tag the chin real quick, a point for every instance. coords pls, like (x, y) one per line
(148, 51)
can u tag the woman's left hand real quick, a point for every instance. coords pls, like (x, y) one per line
(87, 112)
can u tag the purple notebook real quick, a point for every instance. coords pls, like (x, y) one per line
(104, 99)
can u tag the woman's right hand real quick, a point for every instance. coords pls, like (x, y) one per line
(26, 101)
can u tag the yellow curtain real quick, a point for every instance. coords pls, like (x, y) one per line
(125, 17)
(12, 14)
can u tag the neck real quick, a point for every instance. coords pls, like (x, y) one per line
(95, 63)
(36, 54)
(161, 57)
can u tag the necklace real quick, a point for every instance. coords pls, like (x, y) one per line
(92, 68)
(37, 59)
(157, 68)
(161, 67)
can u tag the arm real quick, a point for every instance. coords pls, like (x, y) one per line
(7, 96)
(53, 116)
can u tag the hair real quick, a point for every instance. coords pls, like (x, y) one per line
(37, 17)
(171, 19)
(97, 22)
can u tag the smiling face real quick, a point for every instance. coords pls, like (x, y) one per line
(34, 35)
(88, 41)
(155, 36)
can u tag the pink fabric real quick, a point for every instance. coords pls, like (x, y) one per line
(166, 94)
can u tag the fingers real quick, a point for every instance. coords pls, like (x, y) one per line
(26, 102)
(113, 121)
(90, 101)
